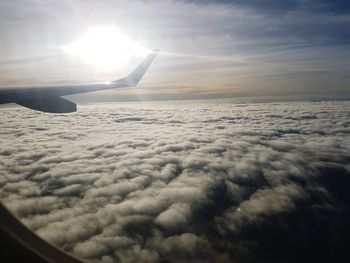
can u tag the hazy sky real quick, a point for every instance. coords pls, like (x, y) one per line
(208, 47)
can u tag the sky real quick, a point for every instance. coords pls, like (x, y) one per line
(187, 181)
(208, 48)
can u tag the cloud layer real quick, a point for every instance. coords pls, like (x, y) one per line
(202, 181)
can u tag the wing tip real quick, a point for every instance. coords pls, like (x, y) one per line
(135, 76)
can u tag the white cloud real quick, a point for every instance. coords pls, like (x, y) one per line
(195, 180)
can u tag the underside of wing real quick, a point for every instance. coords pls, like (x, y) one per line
(50, 104)
(48, 99)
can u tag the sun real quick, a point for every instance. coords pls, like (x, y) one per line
(105, 47)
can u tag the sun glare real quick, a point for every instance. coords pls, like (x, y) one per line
(105, 47)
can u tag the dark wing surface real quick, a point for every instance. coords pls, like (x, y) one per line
(48, 99)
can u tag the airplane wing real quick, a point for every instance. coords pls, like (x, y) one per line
(48, 99)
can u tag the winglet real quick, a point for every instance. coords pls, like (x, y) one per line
(134, 77)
